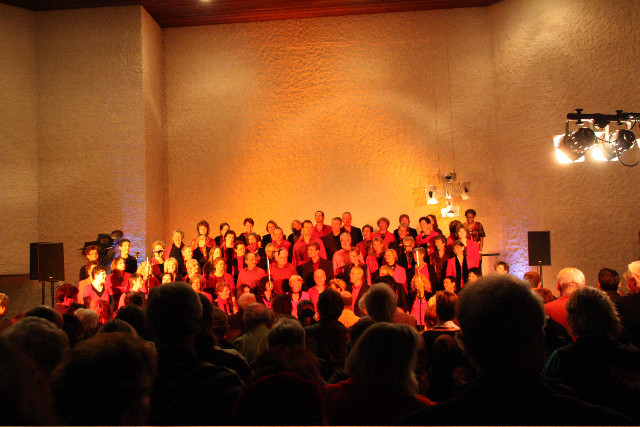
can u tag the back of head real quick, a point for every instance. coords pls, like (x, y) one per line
(384, 357)
(532, 277)
(257, 314)
(287, 332)
(591, 314)
(347, 298)
(46, 312)
(219, 322)
(65, 291)
(118, 366)
(88, 318)
(608, 279)
(282, 305)
(330, 305)
(24, 398)
(380, 301)
(306, 312)
(446, 303)
(174, 313)
(133, 315)
(501, 323)
(570, 279)
(117, 325)
(245, 299)
(40, 340)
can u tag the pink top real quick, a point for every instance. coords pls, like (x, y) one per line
(451, 270)
(149, 283)
(208, 242)
(473, 254)
(81, 285)
(400, 276)
(314, 295)
(429, 239)
(228, 279)
(119, 283)
(155, 268)
(320, 234)
(388, 237)
(300, 255)
(362, 248)
(372, 263)
(303, 295)
(250, 277)
(285, 244)
(419, 309)
(91, 293)
(225, 305)
(279, 275)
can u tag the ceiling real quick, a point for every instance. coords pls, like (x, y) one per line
(180, 13)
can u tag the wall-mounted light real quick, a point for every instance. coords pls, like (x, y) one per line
(604, 136)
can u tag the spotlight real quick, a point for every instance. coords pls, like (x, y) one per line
(573, 146)
(464, 187)
(622, 140)
(430, 193)
(603, 151)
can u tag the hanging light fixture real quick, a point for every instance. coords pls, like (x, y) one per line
(604, 136)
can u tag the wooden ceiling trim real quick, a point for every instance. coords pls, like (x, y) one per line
(172, 13)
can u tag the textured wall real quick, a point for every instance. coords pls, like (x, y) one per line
(550, 58)
(155, 145)
(279, 119)
(18, 138)
(92, 138)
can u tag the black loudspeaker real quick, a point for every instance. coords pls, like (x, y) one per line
(539, 248)
(47, 262)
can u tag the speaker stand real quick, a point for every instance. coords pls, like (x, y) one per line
(53, 299)
(540, 271)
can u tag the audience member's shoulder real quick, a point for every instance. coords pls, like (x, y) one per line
(553, 410)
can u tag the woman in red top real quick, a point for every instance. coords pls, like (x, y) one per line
(375, 259)
(219, 275)
(383, 385)
(203, 229)
(99, 288)
(472, 248)
(384, 233)
(149, 281)
(365, 246)
(118, 280)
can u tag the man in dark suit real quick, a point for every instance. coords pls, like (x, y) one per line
(307, 269)
(332, 240)
(356, 233)
(358, 286)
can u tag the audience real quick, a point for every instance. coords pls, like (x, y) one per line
(39, 340)
(186, 390)
(218, 360)
(569, 280)
(598, 367)
(118, 366)
(382, 386)
(629, 306)
(327, 338)
(501, 330)
(258, 319)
